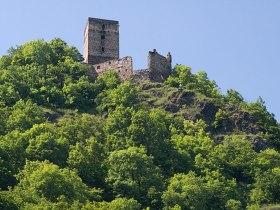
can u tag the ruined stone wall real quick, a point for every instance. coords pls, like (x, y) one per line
(123, 66)
(101, 50)
(159, 67)
(101, 41)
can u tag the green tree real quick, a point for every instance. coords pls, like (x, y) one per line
(267, 187)
(206, 86)
(8, 95)
(39, 70)
(80, 94)
(60, 50)
(132, 174)
(80, 127)
(259, 111)
(220, 116)
(191, 141)
(7, 202)
(186, 191)
(45, 143)
(233, 205)
(268, 159)
(266, 120)
(234, 158)
(5, 61)
(12, 157)
(6, 176)
(24, 115)
(36, 52)
(108, 80)
(273, 136)
(87, 158)
(44, 204)
(232, 96)
(4, 114)
(222, 193)
(15, 78)
(125, 94)
(116, 204)
(182, 75)
(43, 180)
(116, 128)
(151, 129)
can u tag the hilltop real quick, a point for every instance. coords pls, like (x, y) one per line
(71, 139)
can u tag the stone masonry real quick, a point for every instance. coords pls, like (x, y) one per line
(101, 40)
(123, 66)
(159, 67)
(101, 52)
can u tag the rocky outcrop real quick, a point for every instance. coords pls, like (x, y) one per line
(238, 120)
(193, 106)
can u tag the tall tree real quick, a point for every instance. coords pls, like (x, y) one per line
(132, 174)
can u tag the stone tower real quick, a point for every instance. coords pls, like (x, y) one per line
(101, 41)
(159, 67)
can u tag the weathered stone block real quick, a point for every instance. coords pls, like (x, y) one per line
(101, 41)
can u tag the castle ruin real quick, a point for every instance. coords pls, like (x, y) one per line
(101, 52)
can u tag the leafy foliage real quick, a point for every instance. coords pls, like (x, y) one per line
(182, 76)
(24, 115)
(187, 191)
(42, 180)
(131, 173)
(87, 159)
(116, 204)
(71, 140)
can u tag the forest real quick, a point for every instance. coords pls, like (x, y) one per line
(71, 140)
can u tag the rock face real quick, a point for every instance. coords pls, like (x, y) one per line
(185, 103)
(193, 106)
(238, 120)
(208, 111)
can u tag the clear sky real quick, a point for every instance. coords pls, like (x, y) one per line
(237, 42)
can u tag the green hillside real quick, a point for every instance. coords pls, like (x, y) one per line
(69, 140)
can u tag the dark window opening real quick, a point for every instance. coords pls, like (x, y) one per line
(109, 62)
(103, 27)
(102, 49)
(102, 36)
(98, 67)
(125, 69)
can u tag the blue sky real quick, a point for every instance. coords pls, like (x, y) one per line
(237, 42)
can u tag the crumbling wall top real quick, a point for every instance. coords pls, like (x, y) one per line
(102, 20)
(123, 66)
(159, 67)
